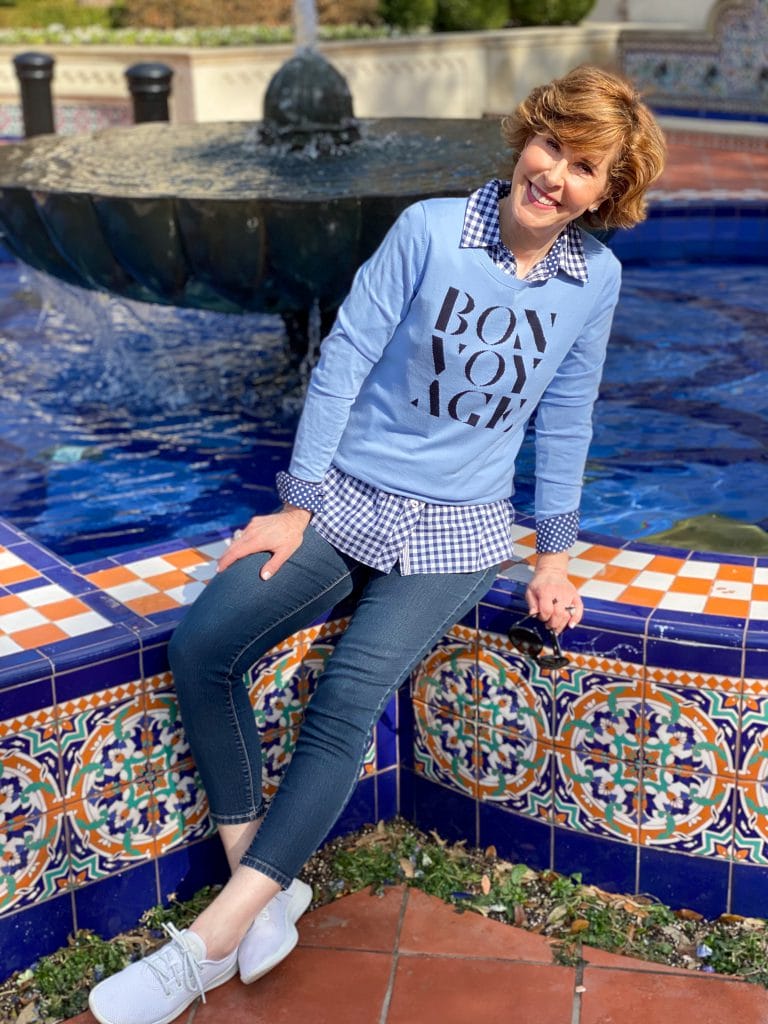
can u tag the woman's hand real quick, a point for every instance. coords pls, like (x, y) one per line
(550, 595)
(280, 533)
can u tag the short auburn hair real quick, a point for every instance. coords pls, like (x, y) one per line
(595, 111)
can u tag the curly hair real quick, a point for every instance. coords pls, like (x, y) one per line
(595, 111)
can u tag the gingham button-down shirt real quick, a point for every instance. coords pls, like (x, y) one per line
(381, 529)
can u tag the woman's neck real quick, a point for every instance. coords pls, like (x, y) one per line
(527, 249)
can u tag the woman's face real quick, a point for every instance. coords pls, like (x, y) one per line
(553, 184)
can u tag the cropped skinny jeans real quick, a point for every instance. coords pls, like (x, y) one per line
(237, 619)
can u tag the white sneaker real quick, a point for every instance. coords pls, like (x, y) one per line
(158, 988)
(273, 934)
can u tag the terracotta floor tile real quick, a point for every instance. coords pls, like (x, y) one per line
(600, 958)
(361, 921)
(633, 997)
(316, 986)
(447, 990)
(431, 926)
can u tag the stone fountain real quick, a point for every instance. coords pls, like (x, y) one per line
(273, 217)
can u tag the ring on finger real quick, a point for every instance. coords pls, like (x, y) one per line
(237, 535)
(570, 608)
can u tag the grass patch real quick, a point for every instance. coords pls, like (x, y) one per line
(396, 853)
(57, 33)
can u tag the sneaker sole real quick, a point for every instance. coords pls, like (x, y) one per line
(292, 937)
(221, 980)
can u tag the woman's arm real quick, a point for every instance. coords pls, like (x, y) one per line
(563, 433)
(379, 299)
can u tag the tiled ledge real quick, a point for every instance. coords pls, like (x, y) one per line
(51, 609)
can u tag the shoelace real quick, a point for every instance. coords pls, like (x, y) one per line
(173, 961)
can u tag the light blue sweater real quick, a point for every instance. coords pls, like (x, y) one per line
(438, 359)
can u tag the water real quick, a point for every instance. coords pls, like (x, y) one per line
(145, 423)
(682, 423)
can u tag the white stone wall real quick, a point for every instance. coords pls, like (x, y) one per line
(461, 74)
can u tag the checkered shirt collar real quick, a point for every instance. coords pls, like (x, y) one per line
(481, 231)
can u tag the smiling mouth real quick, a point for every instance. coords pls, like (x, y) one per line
(541, 197)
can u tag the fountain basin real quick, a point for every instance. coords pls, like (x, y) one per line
(206, 216)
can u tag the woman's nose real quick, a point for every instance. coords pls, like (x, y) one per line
(556, 172)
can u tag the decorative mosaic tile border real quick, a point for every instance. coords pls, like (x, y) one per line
(667, 759)
(96, 784)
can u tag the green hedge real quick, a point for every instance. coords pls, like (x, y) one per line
(470, 15)
(408, 15)
(549, 12)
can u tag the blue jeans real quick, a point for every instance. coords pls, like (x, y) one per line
(237, 618)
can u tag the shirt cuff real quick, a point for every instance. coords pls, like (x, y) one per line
(301, 493)
(558, 533)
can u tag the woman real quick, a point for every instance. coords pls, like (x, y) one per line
(471, 315)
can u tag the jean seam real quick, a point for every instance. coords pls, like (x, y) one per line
(243, 751)
(266, 869)
(234, 819)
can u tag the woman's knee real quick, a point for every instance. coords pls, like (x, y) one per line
(189, 650)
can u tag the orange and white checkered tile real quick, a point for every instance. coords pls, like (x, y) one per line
(160, 582)
(42, 615)
(13, 569)
(653, 580)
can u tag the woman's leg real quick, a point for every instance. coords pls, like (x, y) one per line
(397, 620)
(236, 619)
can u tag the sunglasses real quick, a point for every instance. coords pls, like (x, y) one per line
(528, 642)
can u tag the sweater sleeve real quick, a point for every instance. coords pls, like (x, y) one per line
(564, 423)
(379, 298)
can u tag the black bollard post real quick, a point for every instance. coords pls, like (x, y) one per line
(150, 87)
(35, 72)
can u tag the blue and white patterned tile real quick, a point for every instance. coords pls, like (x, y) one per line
(279, 686)
(104, 744)
(687, 811)
(445, 748)
(691, 729)
(595, 793)
(751, 842)
(599, 712)
(33, 848)
(446, 678)
(182, 807)
(514, 770)
(110, 830)
(513, 692)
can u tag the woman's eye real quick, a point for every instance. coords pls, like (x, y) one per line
(585, 168)
(553, 144)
